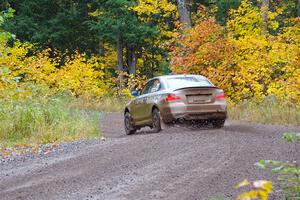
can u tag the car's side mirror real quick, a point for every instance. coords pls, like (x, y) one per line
(135, 93)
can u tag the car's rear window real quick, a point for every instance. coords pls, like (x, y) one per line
(182, 82)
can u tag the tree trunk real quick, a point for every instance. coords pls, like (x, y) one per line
(132, 69)
(131, 60)
(120, 58)
(128, 58)
(101, 48)
(264, 14)
(184, 13)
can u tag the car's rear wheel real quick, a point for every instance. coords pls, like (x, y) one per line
(156, 121)
(129, 128)
(218, 123)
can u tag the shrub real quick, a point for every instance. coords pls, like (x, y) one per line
(288, 172)
(79, 75)
(259, 190)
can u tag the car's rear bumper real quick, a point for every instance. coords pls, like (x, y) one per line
(179, 110)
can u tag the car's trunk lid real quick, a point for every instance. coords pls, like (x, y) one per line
(197, 95)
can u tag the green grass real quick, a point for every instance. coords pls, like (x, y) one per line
(31, 122)
(269, 111)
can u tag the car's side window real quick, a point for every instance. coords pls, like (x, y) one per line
(147, 88)
(156, 86)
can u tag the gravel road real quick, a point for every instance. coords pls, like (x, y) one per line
(181, 162)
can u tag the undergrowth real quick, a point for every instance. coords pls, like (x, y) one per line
(61, 119)
(104, 104)
(42, 121)
(269, 111)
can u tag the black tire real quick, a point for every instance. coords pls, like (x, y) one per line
(156, 121)
(129, 128)
(218, 123)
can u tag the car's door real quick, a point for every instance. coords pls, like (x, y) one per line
(138, 105)
(150, 97)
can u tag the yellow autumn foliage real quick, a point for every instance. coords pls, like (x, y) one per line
(265, 64)
(82, 76)
(240, 58)
(148, 10)
(150, 7)
(260, 190)
(78, 75)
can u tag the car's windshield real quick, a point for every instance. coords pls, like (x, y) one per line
(189, 81)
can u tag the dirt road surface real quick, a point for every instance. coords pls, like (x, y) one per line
(178, 163)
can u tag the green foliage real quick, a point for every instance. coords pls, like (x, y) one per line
(114, 16)
(224, 7)
(4, 16)
(292, 137)
(53, 24)
(116, 22)
(288, 172)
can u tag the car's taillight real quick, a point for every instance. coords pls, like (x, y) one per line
(220, 96)
(172, 97)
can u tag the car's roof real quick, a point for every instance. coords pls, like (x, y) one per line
(180, 75)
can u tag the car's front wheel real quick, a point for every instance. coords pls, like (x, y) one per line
(129, 128)
(156, 121)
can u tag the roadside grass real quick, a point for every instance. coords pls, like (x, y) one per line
(44, 121)
(37, 121)
(269, 111)
(104, 104)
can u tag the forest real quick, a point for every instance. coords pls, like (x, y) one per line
(95, 51)
(66, 63)
(248, 48)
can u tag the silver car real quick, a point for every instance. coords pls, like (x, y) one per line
(172, 98)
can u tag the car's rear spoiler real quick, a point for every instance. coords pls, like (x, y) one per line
(197, 87)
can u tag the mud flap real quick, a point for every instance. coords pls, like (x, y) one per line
(164, 125)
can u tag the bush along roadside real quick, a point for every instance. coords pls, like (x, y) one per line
(37, 121)
(268, 111)
(288, 173)
(288, 178)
